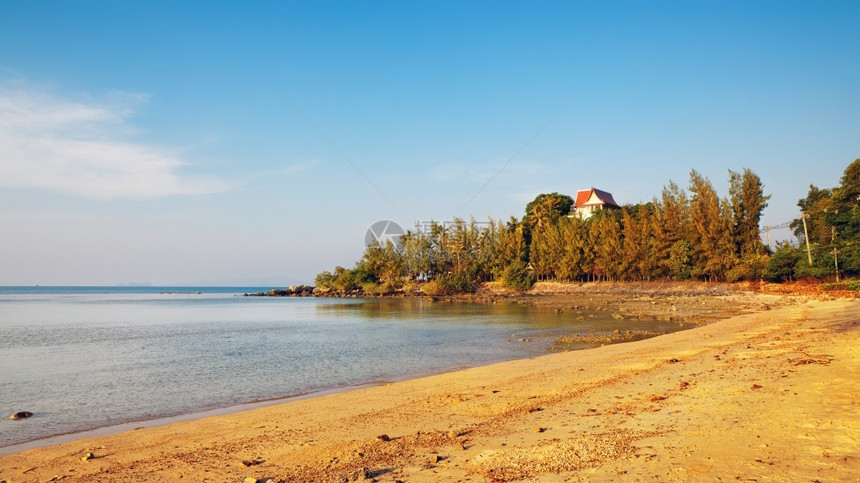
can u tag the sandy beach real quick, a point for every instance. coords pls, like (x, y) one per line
(768, 395)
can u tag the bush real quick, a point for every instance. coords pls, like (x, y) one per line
(373, 288)
(751, 267)
(462, 282)
(680, 264)
(432, 288)
(324, 280)
(516, 276)
(782, 264)
(853, 285)
(343, 279)
(804, 270)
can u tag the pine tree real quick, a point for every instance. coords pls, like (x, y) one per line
(748, 201)
(710, 227)
(632, 247)
(574, 238)
(606, 240)
(671, 224)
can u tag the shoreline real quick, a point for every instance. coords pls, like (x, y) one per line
(531, 411)
(549, 296)
(115, 429)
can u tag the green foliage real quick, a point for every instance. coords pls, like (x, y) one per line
(432, 288)
(750, 267)
(639, 260)
(386, 287)
(681, 235)
(546, 208)
(817, 270)
(781, 265)
(343, 280)
(605, 238)
(849, 257)
(815, 207)
(711, 234)
(833, 224)
(462, 282)
(848, 285)
(383, 262)
(679, 263)
(748, 202)
(516, 276)
(324, 280)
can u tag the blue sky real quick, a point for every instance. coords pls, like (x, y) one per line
(256, 142)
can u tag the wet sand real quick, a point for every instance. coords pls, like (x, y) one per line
(770, 395)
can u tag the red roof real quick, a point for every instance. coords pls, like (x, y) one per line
(605, 199)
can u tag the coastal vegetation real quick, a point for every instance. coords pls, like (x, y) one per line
(682, 234)
(829, 234)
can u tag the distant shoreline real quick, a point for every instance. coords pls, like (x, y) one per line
(685, 301)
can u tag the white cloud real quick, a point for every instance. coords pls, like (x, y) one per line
(80, 148)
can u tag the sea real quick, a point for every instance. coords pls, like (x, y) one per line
(96, 360)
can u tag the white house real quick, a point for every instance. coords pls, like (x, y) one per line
(589, 201)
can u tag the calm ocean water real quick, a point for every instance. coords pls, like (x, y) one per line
(83, 358)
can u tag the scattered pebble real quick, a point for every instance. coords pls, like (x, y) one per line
(360, 474)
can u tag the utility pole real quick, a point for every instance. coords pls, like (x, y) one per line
(835, 251)
(806, 235)
(836, 261)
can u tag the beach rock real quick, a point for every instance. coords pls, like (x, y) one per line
(21, 415)
(383, 437)
(291, 291)
(361, 474)
(87, 457)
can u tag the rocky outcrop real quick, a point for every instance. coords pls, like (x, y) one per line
(292, 291)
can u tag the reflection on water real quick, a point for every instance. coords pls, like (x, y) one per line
(86, 360)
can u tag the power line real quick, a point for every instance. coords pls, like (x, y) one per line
(342, 155)
(767, 228)
(775, 227)
(518, 151)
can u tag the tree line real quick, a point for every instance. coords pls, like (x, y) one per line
(828, 232)
(682, 234)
